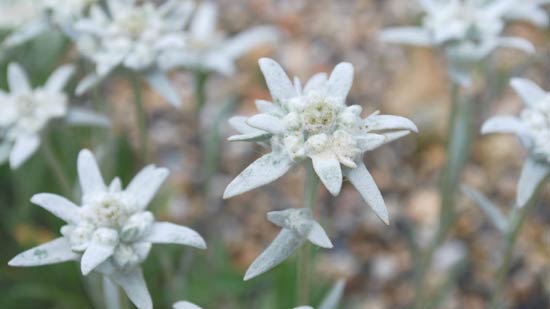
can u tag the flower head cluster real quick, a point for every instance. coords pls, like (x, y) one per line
(132, 35)
(314, 123)
(533, 129)
(111, 232)
(47, 15)
(25, 112)
(468, 31)
(207, 49)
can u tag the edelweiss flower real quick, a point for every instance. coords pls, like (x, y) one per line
(533, 129)
(468, 31)
(315, 123)
(298, 226)
(49, 14)
(134, 36)
(25, 112)
(208, 50)
(531, 11)
(111, 232)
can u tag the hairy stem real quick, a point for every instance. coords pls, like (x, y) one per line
(56, 167)
(304, 258)
(111, 294)
(141, 116)
(458, 147)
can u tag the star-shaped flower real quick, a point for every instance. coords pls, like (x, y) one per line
(533, 129)
(314, 123)
(134, 36)
(48, 15)
(111, 232)
(209, 50)
(467, 30)
(25, 112)
(298, 226)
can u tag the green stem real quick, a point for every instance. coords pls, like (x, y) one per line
(141, 116)
(56, 167)
(458, 147)
(201, 79)
(512, 233)
(304, 258)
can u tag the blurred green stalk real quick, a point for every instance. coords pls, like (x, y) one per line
(56, 167)
(458, 148)
(303, 279)
(141, 116)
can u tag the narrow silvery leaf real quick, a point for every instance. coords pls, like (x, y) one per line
(395, 135)
(332, 299)
(87, 83)
(162, 85)
(24, 147)
(530, 93)
(17, 79)
(266, 122)
(517, 43)
(185, 305)
(204, 22)
(279, 250)
(491, 210)
(389, 122)
(362, 180)
(279, 84)
(169, 233)
(504, 124)
(26, 33)
(327, 167)
(89, 175)
(248, 133)
(58, 206)
(53, 252)
(406, 35)
(340, 80)
(146, 183)
(57, 81)
(134, 285)
(318, 236)
(247, 40)
(532, 175)
(266, 169)
(81, 116)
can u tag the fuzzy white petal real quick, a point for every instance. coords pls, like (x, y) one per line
(59, 78)
(185, 305)
(362, 180)
(24, 147)
(25, 33)
(87, 83)
(517, 43)
(368, 142)
(406, 35)
(340, 80)
(530, 93)
(17, 79)
(389, 122)
(317, 81)
(318, 236)
(248, 133)
(162, 85)
(504, 124)
(86, 117)
(327, 167)
(89, 174)
(280, 86)
(267, 123)
(53, 252)
(169, 233)
(135, 287)
(532, 175)
(332, 299)
(146, 183)
(266, 169)
(96, 253)
(247, 40)
(58, 206)
(204, 22)
(279, 250)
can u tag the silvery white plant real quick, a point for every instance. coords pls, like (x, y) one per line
(111, 232)
(533, 130)
(531, 11)
(467, 31)
(15, 13)
(134, 36)
(185, 305)
(297, 226)
(314, 123)
(333, 297)
(25, 112)
(209, 50)
(49, 15)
